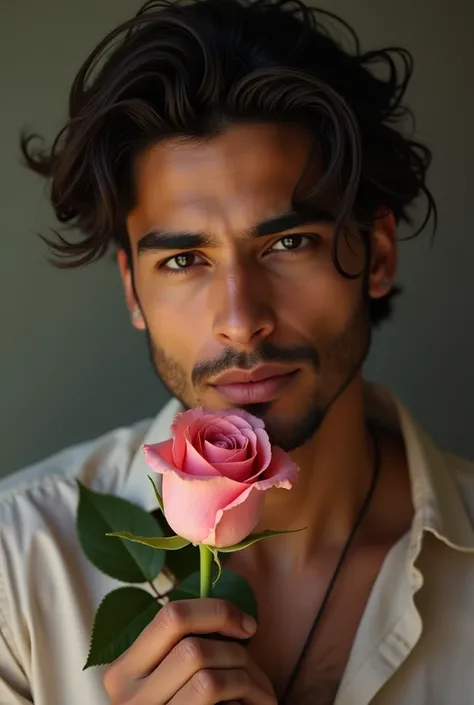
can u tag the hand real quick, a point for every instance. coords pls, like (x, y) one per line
(167, 666)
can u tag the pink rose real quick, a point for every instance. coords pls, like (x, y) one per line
(216, 470)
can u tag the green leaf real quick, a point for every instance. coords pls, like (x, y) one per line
(99, 514)
(180, 563)
(157, 494)
(166, 543)
(121, 617)
(215, 553)
(231, 587)
(253, 538)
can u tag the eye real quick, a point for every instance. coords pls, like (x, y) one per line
(180, 263)
(291, 242)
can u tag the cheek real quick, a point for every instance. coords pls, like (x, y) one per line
(176, 316)
(318, 304)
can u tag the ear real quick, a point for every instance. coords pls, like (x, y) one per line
(132, 304)
(383, 264)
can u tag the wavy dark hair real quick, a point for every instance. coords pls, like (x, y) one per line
(192, 69)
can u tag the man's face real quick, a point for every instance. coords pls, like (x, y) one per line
(224, 283)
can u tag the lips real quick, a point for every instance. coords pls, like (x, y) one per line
(257, 374)
(262, 384)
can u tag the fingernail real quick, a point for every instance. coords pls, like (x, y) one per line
(249, 625)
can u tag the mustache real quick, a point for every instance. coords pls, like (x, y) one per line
(266, 352)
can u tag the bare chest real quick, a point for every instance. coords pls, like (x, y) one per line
(287, 610)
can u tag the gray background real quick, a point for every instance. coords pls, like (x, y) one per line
(72, 367)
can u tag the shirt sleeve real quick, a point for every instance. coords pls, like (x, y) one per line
(14, 686)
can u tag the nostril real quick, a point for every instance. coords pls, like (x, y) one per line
(244, 323)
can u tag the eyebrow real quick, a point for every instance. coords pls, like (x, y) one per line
(157, 240)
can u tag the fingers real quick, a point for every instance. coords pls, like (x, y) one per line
(190, 656)
(209, 687)
(259, 677)
(175, 621)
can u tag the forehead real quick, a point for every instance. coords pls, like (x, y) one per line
(233, 180)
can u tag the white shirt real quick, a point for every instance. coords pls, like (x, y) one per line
(414, 645)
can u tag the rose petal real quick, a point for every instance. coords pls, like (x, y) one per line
(263, 451)
(242, 467)
(194, 434)
(191, 503)
(222, 440)
(209, 428)
(214, 509)
(216, 454)
(260, 450)
(236, 470)
(219, 440)
(193, 421)
(225, 443)
(179, 426)
(237, 521)
(159, 455)
(195, 439)
(241, 453)
(259, 457)
(282, 473)
(251, 437)
(195, 464)
(189, 424)
(215, 425)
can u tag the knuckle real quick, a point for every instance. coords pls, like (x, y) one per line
(191, 650)
(173, 616)
(111, 679)
(225, 612)
(243, 679)
(239, 654)
(205, 683)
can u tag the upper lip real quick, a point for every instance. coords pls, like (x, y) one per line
(257, 374)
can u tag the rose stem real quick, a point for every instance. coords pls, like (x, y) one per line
(206, 570)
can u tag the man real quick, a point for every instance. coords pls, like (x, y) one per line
(251, 173)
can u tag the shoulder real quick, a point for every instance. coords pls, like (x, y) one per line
(44, 495)
(41, 561)
(38, 508)
(101, 463)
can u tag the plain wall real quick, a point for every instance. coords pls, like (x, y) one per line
(72, 367)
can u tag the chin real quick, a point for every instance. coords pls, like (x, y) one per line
(288, 430)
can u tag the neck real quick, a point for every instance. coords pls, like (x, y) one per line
(336, 468)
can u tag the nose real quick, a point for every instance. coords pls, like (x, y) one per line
(243, 316)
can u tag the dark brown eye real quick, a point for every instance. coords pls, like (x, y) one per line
(182, 261)
(292, 242)
(289, 242)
